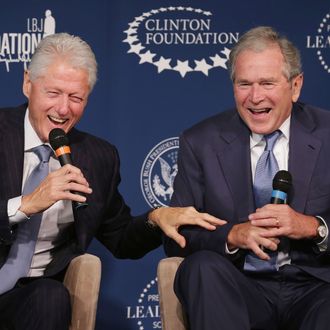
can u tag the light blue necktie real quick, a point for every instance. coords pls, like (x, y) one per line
(266, 169)
(21, 252)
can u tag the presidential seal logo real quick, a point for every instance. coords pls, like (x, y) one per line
(146, 311)
(174, 38)
(158, 172)
(321, 42)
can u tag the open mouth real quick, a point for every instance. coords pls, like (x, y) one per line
(57, 121)
(259, 111)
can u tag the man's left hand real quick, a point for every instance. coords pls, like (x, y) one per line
(284, 221)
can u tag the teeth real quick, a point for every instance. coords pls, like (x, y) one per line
(57, 120)
(259, 110)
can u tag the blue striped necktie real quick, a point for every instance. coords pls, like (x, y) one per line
(266, 169)
(21, 252)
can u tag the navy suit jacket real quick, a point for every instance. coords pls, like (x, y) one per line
(215, 176)
(107, 217)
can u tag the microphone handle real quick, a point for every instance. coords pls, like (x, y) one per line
(278, 197)
(66, 159)
(276, 200)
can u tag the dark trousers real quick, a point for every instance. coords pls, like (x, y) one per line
(216, 295)
(41, 304)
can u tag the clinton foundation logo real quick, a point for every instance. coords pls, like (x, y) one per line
(181, 39)
(17, 47)
(146, 311)
(320, 42)
(158, 172)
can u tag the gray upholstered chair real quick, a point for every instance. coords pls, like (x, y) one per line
(82, 279)
(171, 312)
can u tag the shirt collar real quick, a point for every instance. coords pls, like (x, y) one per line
(284, 128)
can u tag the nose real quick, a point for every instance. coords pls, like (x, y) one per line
(256, 93)
(63, 106)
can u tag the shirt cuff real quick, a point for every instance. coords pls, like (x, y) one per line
(230, 252)
(14, 214)
(323, 245)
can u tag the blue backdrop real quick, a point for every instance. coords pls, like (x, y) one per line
(162, 67)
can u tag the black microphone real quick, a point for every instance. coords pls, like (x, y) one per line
(60, 143)
(281, 185)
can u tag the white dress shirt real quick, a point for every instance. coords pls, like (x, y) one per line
(54, 220)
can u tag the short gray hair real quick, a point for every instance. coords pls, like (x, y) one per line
(262, 37)
(63, 45)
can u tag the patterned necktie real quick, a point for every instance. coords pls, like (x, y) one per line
(265, 171)
(21, 252)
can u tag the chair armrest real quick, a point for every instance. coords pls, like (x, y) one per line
(82, 279)
(171, 312)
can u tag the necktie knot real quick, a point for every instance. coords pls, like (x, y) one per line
(271, 139)
(43, 152)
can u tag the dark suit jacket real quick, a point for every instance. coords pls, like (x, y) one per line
(107, 217)
(215, 177)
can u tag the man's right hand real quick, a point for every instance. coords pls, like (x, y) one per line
(170, 219)
(56, 186)
(247, 236)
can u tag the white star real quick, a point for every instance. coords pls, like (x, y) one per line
(139, 18)
(218, 61)
(163, 64)
(198, 10)
(203, 67)
(207, 13)
(134, 24)
(180, 8)
(163, 9)
(182, 67)
(147, 14)
(189, 9)
(154, 11)
(136, 49)
(171, 8)
(226, 52)
(146, 57)
(130, 31)
(131, 39)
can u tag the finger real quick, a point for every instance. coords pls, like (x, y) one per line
(75, 177)
(212, 220)
(68, 168)
(177, 238)
(269, 244)
(273, 232)
(260, 253)
(267, 222)
(275, 240)
(68, 195)
(73, 186)
(267, 211)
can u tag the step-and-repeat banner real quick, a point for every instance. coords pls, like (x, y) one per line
(162, 68)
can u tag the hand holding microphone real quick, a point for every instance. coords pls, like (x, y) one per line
(275, 219)
(60, 143)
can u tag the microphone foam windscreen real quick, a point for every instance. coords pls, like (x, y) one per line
(282, 181)
(57, 138)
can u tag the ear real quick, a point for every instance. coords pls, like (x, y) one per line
(26, 84)
(296, 86)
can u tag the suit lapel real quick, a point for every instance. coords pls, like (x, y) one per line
(12, 153)
(304, 149)
(233, 152)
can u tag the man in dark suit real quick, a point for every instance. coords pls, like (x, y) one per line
(268, 267)
(59, 79)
